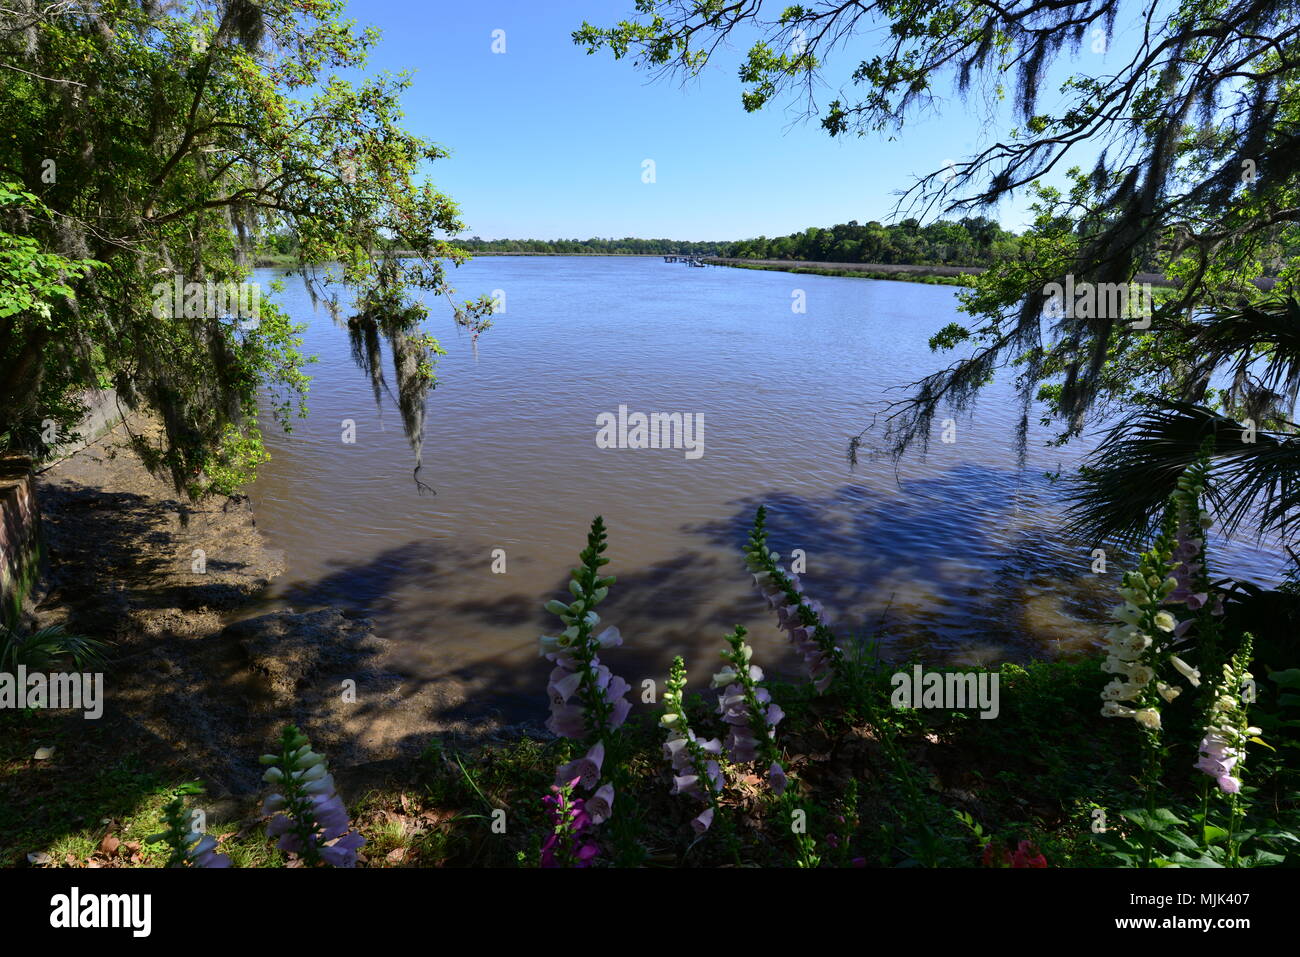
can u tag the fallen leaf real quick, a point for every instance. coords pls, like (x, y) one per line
(396, 855)
(43, 754)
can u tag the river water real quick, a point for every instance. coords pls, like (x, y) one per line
(951, 558)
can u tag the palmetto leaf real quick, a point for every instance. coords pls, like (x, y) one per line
(1259, 345)
(1121, 494)
(42, 649)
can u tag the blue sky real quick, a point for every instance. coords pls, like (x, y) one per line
(548, 142)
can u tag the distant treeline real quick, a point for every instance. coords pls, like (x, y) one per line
(974, 241)
(604, 247)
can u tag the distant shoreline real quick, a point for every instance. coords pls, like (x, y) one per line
(941, 275)
(899, 272)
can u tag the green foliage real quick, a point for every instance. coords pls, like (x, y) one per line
(176, 142)
(972, 241)
(177, 836)
(44, 649)
(30, 278)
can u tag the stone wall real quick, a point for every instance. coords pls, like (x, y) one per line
(20, 539)
(102, 416)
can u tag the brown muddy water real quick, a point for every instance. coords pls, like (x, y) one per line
(951, 558)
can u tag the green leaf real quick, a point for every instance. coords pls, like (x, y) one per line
(1213, 834)
(1159, 820)
(1290, 678)
(1179, 840)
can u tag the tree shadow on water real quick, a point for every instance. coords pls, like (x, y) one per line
(966, 564)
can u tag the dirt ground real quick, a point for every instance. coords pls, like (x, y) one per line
(194, 681)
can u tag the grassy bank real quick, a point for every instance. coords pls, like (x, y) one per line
(876, 786)
(867, 272)
(899, 782)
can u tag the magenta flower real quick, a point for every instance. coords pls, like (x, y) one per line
(568, 843)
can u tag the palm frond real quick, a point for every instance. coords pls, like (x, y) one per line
(1120, 495)
(43, 649)
(1259, 346)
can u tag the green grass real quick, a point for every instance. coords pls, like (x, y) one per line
(899, 779)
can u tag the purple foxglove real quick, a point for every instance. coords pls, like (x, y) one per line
(204, 854)
(567, 722)
(563, 685)
(601, 804)
(702, 821)
(776, 778)
(585, 770)
(343, 852)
